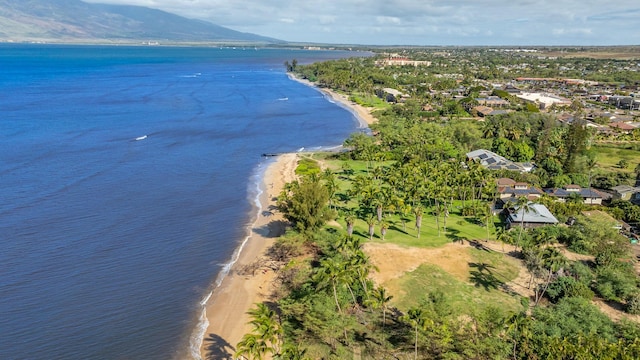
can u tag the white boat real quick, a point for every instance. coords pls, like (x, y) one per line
(141, 137)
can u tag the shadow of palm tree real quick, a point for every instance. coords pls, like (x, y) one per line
(483, 276)
(395, 228)
(218, 348)
(476, 244)
(454, 235)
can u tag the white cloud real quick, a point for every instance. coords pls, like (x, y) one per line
(426, 22)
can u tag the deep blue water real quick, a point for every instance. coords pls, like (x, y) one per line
(108, 244)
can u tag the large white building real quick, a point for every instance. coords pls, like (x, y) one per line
(544, 101)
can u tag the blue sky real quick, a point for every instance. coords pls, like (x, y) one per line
(420, 22)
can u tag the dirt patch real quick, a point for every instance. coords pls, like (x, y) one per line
(393, 260)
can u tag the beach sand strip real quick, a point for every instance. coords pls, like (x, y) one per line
(238, 292)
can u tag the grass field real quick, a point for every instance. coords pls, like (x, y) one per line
(474, 278)
(458, 227)
(485, 286)
(608, 158)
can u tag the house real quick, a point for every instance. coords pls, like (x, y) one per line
(622, 127)
(589, 196)
(537, 215)
(493, 101)
(518, 189)
(625, 192)
(482, 111)
(493, 161)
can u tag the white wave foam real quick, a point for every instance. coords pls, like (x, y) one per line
(197, 336)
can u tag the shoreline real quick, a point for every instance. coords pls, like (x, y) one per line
(361, 113)
(225, 308)
(224, 318)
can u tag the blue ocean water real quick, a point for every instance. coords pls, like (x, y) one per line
(108, 243)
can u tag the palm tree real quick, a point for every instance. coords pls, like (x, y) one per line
(381, 299)
(331, 185)
(251, 347)
(383, 229)
(486, 215)
(418, 213)
(504, 236)
(553, 261)
(351, 220)
(523, 206)
(291, 352)
(361, 264)
(404, 210)
(330, 273)
(371, 221)
(266, 326)
(517, 329)
(416, 318)
(591, 163)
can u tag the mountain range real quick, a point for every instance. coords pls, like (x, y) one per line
(76, 21)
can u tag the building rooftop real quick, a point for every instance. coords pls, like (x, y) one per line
(537, 214)
(493, 161)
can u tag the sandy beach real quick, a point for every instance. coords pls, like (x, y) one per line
(240, 289)
(363, 114)
(227, 307)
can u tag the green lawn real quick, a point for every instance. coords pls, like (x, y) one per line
(488, 271)
(608, 158)
(488, 274)
(458, 227)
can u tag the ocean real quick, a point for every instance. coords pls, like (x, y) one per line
(128, 177)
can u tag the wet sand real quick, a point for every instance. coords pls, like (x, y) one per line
(241, 289)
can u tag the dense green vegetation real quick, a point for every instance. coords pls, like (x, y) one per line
(411, 185)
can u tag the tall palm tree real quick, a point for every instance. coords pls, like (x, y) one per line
(381, 300)
(266, 326)
(486, 215)
(351, 220)
(251, 347)
(331, 184)
(361, 265)
(552, 261)
(591, 164)
(416, 318)
(517, 329)
(383, 229)
(329, 273)
(371, 221)
(417, 211)
(523, 206)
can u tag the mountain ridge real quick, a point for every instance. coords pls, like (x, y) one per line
(77, 21)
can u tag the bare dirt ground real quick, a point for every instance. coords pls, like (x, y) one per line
(393, 261)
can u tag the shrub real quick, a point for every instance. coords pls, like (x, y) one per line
(633, 304)
(566, 286)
